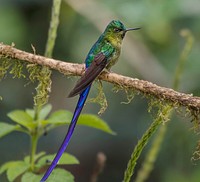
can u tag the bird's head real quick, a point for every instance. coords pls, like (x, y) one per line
(115, 31)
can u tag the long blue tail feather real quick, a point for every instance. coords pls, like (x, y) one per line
(79, 107)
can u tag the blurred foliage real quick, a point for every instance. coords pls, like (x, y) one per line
(26, 22)
(26, 123)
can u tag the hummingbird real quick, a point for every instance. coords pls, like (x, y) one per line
(102, 56)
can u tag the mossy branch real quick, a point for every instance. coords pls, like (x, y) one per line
(162, 93)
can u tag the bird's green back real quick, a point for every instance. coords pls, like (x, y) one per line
(109, 43)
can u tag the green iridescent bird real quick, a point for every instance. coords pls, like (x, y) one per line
(103, 54)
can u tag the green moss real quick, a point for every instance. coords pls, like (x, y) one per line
(130, 94)
(17, 69)
(5, 64)
(100, 99)
(196, 154)
(43, 76)
(34, 71)
(116, 88)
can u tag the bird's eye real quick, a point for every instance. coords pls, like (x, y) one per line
(117, 29)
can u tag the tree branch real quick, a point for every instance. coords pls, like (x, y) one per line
(165, 94)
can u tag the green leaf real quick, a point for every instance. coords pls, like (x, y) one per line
(5, 166)
(37, 156)
(60, 175)
(6, 128)
(68, 159)
(94, 122)
(22, 118)
(31, 177)
(14, 169)
(65, 159)
(30, 112)
(45, 111)
(60, 117)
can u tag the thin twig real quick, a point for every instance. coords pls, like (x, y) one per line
(99, 166)
(53, 28)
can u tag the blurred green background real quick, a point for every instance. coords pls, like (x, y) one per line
(150, 54)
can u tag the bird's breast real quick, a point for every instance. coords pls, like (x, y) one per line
(114, 58)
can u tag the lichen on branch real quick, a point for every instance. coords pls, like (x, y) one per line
(162, 93)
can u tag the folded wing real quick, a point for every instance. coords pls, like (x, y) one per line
(96, 67)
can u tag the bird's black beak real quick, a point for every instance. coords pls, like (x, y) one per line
(130, 29)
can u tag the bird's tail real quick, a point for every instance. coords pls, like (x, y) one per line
(79, 107)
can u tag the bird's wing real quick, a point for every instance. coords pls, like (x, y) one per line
(96, 67)
(82, 87)
(79, 107)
